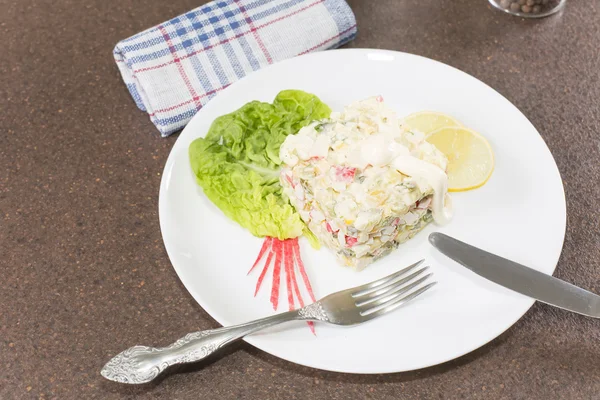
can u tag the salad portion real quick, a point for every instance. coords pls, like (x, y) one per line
(363, 182)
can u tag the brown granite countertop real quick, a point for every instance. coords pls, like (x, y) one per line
(84, 273)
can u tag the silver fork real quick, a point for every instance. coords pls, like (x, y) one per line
(141, 364)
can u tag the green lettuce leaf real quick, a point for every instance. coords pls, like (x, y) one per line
(237, 163)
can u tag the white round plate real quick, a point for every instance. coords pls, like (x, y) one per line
(519, 214)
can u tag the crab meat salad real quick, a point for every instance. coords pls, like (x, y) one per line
(363, 182)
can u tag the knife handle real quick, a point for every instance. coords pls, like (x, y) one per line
(141, 364)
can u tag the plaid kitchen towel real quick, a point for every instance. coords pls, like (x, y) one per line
(173, 69)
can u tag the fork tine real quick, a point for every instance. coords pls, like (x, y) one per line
(374, 292)
(392, 293)
(393, 304)
(368, 287)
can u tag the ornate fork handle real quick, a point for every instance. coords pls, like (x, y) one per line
(141, 364)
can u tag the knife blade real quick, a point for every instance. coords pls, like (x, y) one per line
(518, 277)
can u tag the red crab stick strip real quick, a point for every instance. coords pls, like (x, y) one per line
(311, 324)
(278, 246)
(294, 246)
(303, 271)
(266, 245)
(293, 277)
(264, 272)
(288, 259)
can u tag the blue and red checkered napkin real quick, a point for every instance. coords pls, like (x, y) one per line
(173, 69)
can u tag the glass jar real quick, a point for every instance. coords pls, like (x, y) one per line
(529, 8)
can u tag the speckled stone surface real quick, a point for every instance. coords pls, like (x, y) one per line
(84, 273)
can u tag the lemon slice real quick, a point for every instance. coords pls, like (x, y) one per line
(470, 157)
(429, 121)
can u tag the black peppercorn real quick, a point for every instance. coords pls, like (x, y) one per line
(515, 7)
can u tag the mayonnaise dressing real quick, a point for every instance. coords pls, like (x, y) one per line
(441, 206)
(381, 149)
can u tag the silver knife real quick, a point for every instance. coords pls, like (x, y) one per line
(517, 277)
